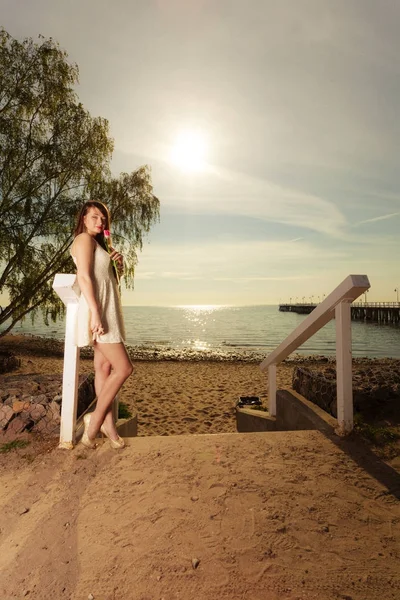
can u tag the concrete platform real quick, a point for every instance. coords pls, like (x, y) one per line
(278, 515)
(293, 413)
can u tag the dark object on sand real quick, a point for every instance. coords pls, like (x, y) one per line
(248, 401)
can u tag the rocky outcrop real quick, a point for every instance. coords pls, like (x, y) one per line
(33, 402)
(374, 386)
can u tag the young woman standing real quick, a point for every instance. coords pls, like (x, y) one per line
(100, 321)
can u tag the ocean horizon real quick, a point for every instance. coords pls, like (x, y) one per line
(228, 328)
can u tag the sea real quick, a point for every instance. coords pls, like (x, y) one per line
(230, 330)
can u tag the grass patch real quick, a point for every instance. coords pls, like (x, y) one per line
(385, 439)
(124, 411)
(377, 435)
(8, 446)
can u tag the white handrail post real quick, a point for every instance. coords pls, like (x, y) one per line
(344, 383)
(272, 390)
(70, 382)
(66, 287)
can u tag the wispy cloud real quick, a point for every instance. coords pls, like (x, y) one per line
(223, 191)
(241, 260)
(381, 218)
(278, 278)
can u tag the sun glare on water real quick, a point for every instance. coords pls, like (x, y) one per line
(201, 307)
(189, 151)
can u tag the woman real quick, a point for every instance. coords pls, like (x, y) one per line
(100, 321)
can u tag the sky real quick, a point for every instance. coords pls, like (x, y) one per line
(292, 108)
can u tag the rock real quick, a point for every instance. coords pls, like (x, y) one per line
(17, 425)
(36, 400)
(36, 412)
(18, 406)
(26, 417)
(40, 399)
(90, 597)
(54, 408)
(195, 563)
(6, 414)
(373, 386)
(43, 427)
(14, 392)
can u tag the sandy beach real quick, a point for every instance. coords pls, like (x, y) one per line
(177, 515)
(170, 397)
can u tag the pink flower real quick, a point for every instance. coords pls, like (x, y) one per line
(107, 233)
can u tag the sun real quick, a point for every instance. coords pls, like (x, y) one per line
(189, 151)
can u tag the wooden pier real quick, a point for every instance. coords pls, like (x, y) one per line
(373, 312)
(376, 312)
(301, 309)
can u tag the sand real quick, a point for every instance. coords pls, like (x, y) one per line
(178, 397)
(287, 515)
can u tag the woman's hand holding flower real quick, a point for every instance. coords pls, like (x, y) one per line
(116, 257)
(118, 260)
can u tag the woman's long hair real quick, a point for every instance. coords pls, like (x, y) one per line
(80, 226)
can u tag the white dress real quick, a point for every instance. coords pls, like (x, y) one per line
(109, 302)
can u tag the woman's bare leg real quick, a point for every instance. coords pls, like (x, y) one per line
(102, 370)
(116, 356)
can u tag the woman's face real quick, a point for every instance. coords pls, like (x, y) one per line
(94, 221)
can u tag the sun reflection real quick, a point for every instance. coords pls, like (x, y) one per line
(200, 345)
(202, 307)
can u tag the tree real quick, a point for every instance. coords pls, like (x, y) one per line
(53, 157)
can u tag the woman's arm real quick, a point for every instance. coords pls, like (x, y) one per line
(84, 253)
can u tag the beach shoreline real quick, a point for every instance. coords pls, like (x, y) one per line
(197, 393)
(49, 346)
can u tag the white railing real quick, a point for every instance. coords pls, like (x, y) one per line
(337, 304)
(65, 285)
(376, 304)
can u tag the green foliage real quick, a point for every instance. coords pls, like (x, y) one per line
(53, 157)
(7, 447)
(124, 411)
(377, 435)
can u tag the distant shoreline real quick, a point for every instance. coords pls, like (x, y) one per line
(48, 346)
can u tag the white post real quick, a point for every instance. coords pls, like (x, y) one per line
(272, 390)
(66, 287)
(344, 380)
